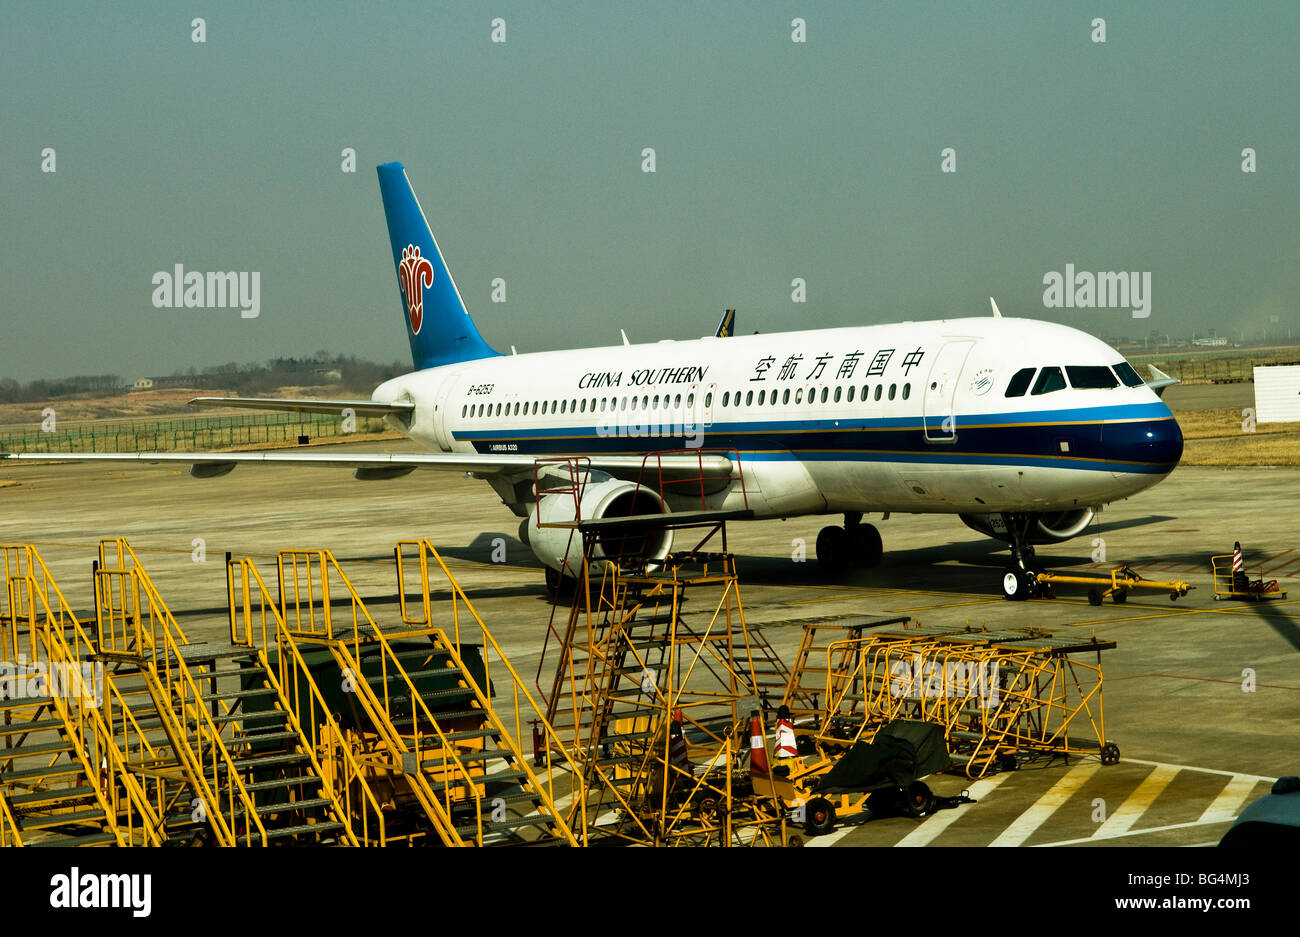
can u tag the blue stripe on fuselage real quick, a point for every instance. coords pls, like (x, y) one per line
(1135, 438)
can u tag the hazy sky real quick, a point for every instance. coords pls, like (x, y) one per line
(775, 159)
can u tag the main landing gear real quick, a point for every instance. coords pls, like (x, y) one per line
(856, 543)
(1020, 579)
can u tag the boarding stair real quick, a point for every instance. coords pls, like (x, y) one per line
(62, 778)
(419, 714)
(211, 733)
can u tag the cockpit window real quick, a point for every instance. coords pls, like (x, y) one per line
(1128, 375)
(1090, 377)
(1049, 379)
(1019, 382)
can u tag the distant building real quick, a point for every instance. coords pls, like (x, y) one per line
(143, 383)
(1210, 342)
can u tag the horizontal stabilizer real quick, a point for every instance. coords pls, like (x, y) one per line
(305, 405)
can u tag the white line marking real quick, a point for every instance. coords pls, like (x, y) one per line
(1226, 774)
(1136, 804)
(1150, 829)
(1228, 804)
(936, 823)
(1024, 826)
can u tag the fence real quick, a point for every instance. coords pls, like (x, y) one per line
(183, 434)
(1216, 369)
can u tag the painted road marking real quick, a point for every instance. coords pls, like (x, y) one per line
(936, 823)
(1122, 820)
(1024, 826)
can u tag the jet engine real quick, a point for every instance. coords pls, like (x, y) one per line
(602, 497)
(1045, 527)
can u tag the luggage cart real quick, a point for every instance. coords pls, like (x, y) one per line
(1226, 585)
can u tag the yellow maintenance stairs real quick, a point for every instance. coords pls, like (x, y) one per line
(654, 701)
(62, 777)
(415, 709)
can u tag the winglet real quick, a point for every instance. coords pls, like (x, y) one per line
(1160, 380)
(997, 313)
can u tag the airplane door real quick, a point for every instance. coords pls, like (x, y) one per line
(941, 391)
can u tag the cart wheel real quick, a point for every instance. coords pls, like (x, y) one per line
(1173, 597)
(1007, 762)
(919, 799)
(1094, 596)
(1120, 597)
(706, 810)
(804, 744)
(820, 817)
(794, 841)
(1110, 754)
(1217, 596)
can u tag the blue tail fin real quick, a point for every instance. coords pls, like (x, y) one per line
(437, 324)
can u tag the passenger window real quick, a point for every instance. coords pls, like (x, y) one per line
(785, 397)
(837, 394)
(851, 389)
(798, 396)
(1049, 379)
(892, 388)
(907, 391)
(825, 391)
(762, 395)
(1019, 382)
(749, 398)
(879, 388)
(708, 400)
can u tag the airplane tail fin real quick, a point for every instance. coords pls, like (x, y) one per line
(437, 324)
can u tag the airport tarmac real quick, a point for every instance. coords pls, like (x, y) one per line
(1202, 697)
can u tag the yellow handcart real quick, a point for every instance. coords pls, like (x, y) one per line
(1228, 586)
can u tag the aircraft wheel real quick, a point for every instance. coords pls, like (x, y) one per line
(1015, 584)
(1094, 596)
(833, 549)
(919, 799)
(866, 544)
(819, 817)
(559, 584)
(1120, 597)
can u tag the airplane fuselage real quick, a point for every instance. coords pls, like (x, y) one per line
(912, 417)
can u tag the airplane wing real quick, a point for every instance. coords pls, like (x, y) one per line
(379, 465)
(306, 405)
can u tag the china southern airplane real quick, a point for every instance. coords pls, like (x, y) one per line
(1023, 429)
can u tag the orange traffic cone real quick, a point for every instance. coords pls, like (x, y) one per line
(677, 756)
(785, 743)
(757, 745)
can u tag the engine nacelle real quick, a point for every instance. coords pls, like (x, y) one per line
(602, 496)
(1046, 527)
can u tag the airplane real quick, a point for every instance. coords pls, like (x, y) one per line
(1024, 429)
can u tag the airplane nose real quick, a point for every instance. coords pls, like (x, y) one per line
(1158, 443)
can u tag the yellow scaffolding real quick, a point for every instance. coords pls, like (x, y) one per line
(654, 702)
(463, 766)
(997, 695)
